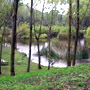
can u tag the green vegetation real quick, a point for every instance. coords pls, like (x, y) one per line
(53, 55)
(60, 31)
(63, 32)
(69, 78)
(23, 30)
(87, 36)
(80, 55)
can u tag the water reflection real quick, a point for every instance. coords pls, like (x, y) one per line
(60, 47)
(44, 61)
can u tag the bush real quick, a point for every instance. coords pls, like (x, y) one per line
(63, 32)
(43, 36)
(62, 29)
(87, 36)
(62, 36)
(52, 55)
(79, 55)
(82, 54)
(44, 29)
(23, 30)
(88, 31)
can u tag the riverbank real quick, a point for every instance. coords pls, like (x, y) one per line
(69, 78)
(20, 62)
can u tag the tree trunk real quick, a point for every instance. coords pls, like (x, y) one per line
(15, 9)
(30, 38)
(77, 31)
(49, 40)
(1, 47)
(39, 58)
(69, 33)
(49, 49)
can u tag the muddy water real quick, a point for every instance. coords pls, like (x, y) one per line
(44, 61)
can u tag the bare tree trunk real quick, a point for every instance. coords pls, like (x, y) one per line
(15, 9)
(30, 38)
(38, 37)
(69, 33)
(49, 45)
(39, 58)
(1, 47)
(49, 40)
(77, 31)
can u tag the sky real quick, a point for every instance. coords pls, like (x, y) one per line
(48, 7)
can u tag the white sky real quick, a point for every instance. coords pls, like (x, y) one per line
(48, 7)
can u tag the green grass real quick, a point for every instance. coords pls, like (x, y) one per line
(69, 78)
(20, 62)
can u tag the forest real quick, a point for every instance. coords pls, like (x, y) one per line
(44, 45)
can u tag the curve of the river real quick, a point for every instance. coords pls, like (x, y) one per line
(44, 61)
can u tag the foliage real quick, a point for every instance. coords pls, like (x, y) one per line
(43, 31)
(43, 36)
(88, 31)
(23, 30)
(80, 55)
(63, 33)
(87, 36)
(62, 29)
(62, 36)
(52, 55)
(4, 11)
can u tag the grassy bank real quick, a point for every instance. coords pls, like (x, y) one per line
(70, 78)
(20, 62)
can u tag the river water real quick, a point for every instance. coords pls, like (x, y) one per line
(44, 61)
(24, 48)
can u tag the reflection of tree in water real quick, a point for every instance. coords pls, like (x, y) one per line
(60, 47)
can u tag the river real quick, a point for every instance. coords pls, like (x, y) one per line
(24, 48)
(44, 61)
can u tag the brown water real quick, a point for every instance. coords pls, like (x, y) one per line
(62, 45)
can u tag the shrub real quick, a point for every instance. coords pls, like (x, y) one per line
(62, 29)
(79, 55)
(88, 31)
(44, 29)
(87, 36)
(63, 32)
(52, 55)
(43, 36)
(62, 36)
(23, 30)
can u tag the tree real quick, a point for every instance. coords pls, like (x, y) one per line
(49, 34)
(69, 33)
(1, 45)
(30, 38)
(38, 36)
(4, 16)
(14, 18)
(77, 31)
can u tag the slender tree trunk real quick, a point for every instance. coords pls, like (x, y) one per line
(77, 31)
(49, 48)
(15, 9)
(39, 58)
(1, 47)
(69, 33)
(49, 40)
(38, 37)
(30, 38)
